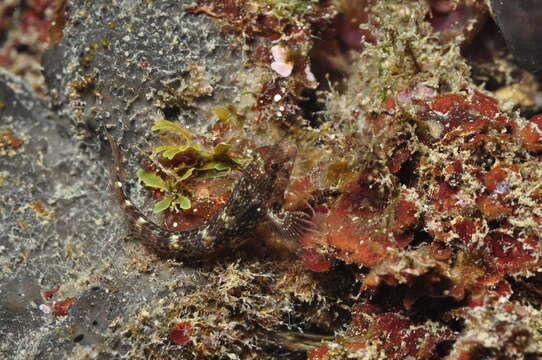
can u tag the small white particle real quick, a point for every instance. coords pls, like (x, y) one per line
(118, 184)
(128, 203)
(174, 239)
(175, 224)
(141, 220)
(45, 308)
(277, 97)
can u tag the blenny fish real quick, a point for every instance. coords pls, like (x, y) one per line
(258, 192)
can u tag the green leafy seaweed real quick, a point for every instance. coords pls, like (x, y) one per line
(151, 179)
(217, 162)
(163, 204)
(184, 202)
(163, 124)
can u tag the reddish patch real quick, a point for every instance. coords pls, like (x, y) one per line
(197, 215)
(354, 223)
(389, 103)
(444, 198)
(48, 294)
(315, 261)
(394, 334)
(158, 194)
(465, 229)
(181, 333)
(495, 179)
(537, 120)
(444, 103)
(509, 252)
(530, 136)
(503, 289)
(492, 208)
(405, 215)
(302, 185)
(485, 105)
(318, 354)
(440, 251)
(395, 163)
(40, 210)
(347, 223)
(60, 308)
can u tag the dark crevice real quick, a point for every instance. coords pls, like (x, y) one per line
(444, 348)
(3, 37)
(407, 173)
(482, 53)
(279, 352)
(480, 352)
(430, 303)
(171, 112)
(456, 325)
(23, 48)
(494, 67)
(527, 291)
(420, 237)
(496, 223)
(331, 59)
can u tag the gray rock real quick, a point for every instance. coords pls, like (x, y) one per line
(141, 56)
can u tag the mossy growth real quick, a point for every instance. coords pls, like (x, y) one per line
(235, 311)
(290, 8)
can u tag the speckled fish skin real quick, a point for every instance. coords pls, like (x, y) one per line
(252, 197)
(521, 25)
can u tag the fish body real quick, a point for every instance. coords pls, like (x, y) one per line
(259, 190)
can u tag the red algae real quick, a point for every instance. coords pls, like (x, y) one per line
(315, 261)
(392, 334)
(318, 354)
(181, 333)
(434, 195)
(468, 200)
(48, 294)
(60, 308)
